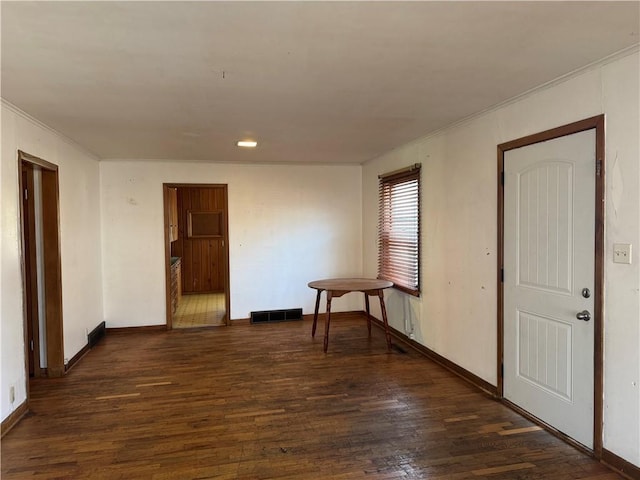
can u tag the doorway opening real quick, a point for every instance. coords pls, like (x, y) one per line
(528, 225)
(196, 255)
(41, 267)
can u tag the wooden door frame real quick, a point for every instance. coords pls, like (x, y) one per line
(167, 246)
(52, 264)
(597, 123)
(30, 283)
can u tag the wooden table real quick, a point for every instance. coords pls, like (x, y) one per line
(336, 287)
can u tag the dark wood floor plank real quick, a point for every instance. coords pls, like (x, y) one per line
(264, 401)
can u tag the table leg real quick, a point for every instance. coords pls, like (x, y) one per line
(384, 319)
(327, 322)
(315, 314)
(366, 304)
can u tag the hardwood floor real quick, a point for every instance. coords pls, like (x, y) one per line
(263, 401)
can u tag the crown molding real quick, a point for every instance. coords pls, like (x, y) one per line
(528, 93)
(10, 106)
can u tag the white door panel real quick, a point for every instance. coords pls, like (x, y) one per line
(549, 245)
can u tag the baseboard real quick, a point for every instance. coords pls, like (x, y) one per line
(76, 358)
(13, 418)
(613, 461)
(440, 360)
(142, 329)
(56, 372)
(240, 321)
(620, 465)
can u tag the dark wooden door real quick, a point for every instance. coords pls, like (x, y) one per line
(201, 238)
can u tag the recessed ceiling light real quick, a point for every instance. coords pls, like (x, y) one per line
(247, 143)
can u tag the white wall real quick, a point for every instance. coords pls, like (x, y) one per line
(292, 224)
(456, 314)
(288, 225)
(80, 245)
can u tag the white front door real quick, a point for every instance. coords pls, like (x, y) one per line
(549, 245)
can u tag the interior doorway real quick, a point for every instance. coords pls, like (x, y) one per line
(41, 267)
(32, 239)
(551, 261)
(196, 255)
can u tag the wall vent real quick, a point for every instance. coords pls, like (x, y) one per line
(96, 334)
(269, 316)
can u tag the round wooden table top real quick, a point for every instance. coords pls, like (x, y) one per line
(350, 284)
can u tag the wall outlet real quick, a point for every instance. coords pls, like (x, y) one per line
(622, 253)
(12, 394)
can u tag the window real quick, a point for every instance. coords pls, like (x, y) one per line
(399, 229)
(206, 224)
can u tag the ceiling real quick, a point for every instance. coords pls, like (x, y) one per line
(323, 82)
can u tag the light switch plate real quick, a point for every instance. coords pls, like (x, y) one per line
(621, 253)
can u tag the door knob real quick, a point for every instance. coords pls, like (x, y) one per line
(583, 315)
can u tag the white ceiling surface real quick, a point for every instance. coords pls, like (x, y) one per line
(326, 82)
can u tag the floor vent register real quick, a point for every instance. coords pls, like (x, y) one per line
(270, 316)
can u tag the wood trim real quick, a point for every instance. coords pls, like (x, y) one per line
(31, 269)
(195, 185)
(77, 357)
(240, 321)
(26, 157)
(598, 294)
(52, 262)
(499, 275)
(52, 272)
(191, 213)
(463, 373)
(142, 329)
(167, 257)
(408, 291)
(227, 268)
(13, 418)
(23, 268)
(619, 464)
(597, 123)
(400, 173)
(17, 415)
(562, 131)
